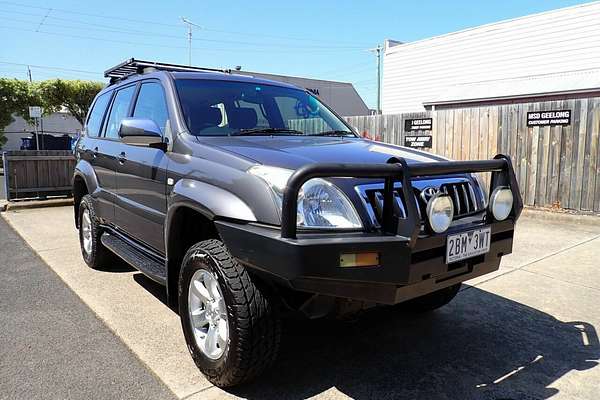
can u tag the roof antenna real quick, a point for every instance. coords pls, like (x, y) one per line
(189, 24)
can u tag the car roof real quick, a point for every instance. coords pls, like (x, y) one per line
(220, 76)
(209, 76)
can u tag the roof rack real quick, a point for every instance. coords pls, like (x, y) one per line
(133, 66)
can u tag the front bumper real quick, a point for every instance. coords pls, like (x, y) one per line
(410, 263)
(312, 263)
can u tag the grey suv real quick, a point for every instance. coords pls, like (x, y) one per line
(248, 198)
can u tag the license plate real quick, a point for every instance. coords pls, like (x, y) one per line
(468, 244)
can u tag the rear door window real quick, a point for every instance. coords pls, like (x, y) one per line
(118, 111)
(94, 123)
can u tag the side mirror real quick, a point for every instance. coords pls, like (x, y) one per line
(141, 132)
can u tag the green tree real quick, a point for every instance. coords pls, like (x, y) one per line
(75, 95)
(15, 98)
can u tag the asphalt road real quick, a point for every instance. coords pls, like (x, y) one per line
(528, 331)
(52, 346)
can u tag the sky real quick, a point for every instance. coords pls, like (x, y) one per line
(77, 39)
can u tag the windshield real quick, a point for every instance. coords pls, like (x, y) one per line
(226, 108)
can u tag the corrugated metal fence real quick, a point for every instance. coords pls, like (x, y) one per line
(555, 165)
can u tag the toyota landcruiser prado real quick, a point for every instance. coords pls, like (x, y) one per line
(246, 198)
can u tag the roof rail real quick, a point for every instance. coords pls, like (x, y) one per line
(133, 66)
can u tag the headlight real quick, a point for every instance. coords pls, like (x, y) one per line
(440, 212)
(320, 203)
(501, 202)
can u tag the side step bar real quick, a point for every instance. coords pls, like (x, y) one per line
(135, 257)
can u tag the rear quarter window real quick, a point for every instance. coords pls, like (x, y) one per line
(94, 123)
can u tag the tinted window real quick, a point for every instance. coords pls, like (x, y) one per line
(151, 104)
(94, 122)
(118, 111)
(230, 108)
(261, 118)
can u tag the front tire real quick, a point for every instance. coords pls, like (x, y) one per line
(230, 322)
(95, 255)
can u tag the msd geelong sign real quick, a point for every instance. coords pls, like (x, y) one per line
(549, 118)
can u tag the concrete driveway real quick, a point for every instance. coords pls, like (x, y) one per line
(525, 332)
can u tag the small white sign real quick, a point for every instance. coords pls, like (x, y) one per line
(35, 112)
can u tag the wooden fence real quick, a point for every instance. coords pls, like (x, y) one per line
(556, 166)
(38, 174)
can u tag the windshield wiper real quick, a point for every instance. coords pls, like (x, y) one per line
(267, 131)
(333, 133)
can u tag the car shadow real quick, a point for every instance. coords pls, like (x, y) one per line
(154, 288)
(116, 265)
(481, 346)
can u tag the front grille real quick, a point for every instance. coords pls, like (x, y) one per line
(460, 191)
(463, 197)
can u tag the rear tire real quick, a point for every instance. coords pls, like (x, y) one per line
(252, 324)
(95, 255)
(432, 301)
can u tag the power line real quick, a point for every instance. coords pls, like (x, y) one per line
(77, 21)
(162, 23)
(51, 68)
(277, 37)
(44, 19)
(89, 14)
(120, 41)
(86, 24)
(119, 31)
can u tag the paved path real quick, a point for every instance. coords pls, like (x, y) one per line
(525, 332)
(52, 346)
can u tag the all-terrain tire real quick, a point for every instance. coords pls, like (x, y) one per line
(252, 315)
(98, 257)
(432, 301)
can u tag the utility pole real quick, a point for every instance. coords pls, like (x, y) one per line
(377, 51)
(29, 73)
(189, 24)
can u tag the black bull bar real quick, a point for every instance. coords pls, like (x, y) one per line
(397, 170)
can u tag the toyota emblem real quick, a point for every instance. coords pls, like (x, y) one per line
(428, 193)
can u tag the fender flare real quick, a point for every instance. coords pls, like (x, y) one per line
(84, 170)
(208, 200)
(211, 201)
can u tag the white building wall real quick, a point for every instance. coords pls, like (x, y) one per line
(557, 41)
(57, 124)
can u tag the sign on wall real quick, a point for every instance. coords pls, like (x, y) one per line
(549, 118)
(418, 142)
(420, 124)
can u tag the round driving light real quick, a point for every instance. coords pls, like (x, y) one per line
(440, 211)
(501, 202)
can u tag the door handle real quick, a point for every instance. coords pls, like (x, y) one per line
(95, 152)
(122, 157)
